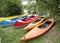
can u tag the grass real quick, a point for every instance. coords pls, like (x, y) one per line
(11, 35)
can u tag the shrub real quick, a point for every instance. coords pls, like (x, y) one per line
(12, 9)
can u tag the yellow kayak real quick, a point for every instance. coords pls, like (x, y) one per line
(10, 17)
(15, 16)
(34, 24)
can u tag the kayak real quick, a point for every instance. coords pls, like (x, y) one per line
(25, 21)
(38, 30)
(6, 22)
(11, 21)
(16, 16)
(34, 24)
(11, 17)
(1, 19)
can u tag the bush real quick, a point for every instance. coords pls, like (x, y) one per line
(12, 9)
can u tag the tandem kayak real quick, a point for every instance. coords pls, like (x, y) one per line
(25, 21)
(38, 30)
(11, 21)
(34, 24)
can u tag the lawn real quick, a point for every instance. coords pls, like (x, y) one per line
(10, 35)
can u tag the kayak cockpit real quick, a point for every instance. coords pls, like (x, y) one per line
(47, 23)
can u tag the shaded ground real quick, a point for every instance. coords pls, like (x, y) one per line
(11, 35)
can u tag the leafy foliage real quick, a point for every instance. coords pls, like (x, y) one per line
(30, 5)
(10, 7)
(50, 6)
(13, 9)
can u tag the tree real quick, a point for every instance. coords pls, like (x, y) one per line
(30, 5)
(51, 6)
(12, 9)
(7, 5)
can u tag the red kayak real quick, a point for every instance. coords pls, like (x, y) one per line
(25, 21)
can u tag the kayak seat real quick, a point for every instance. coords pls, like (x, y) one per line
(47, 23)
(24, 19)
(28, 19)
(31, 16)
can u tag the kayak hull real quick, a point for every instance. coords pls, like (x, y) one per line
(11, 17)
(11, 21)
(37, 31)
(34, 24)
(25, 21)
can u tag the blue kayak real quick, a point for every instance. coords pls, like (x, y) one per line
(11, 21)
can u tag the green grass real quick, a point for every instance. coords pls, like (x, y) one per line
(11, 35)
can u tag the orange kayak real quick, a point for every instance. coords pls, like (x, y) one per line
(38, 30)
(34, 24)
